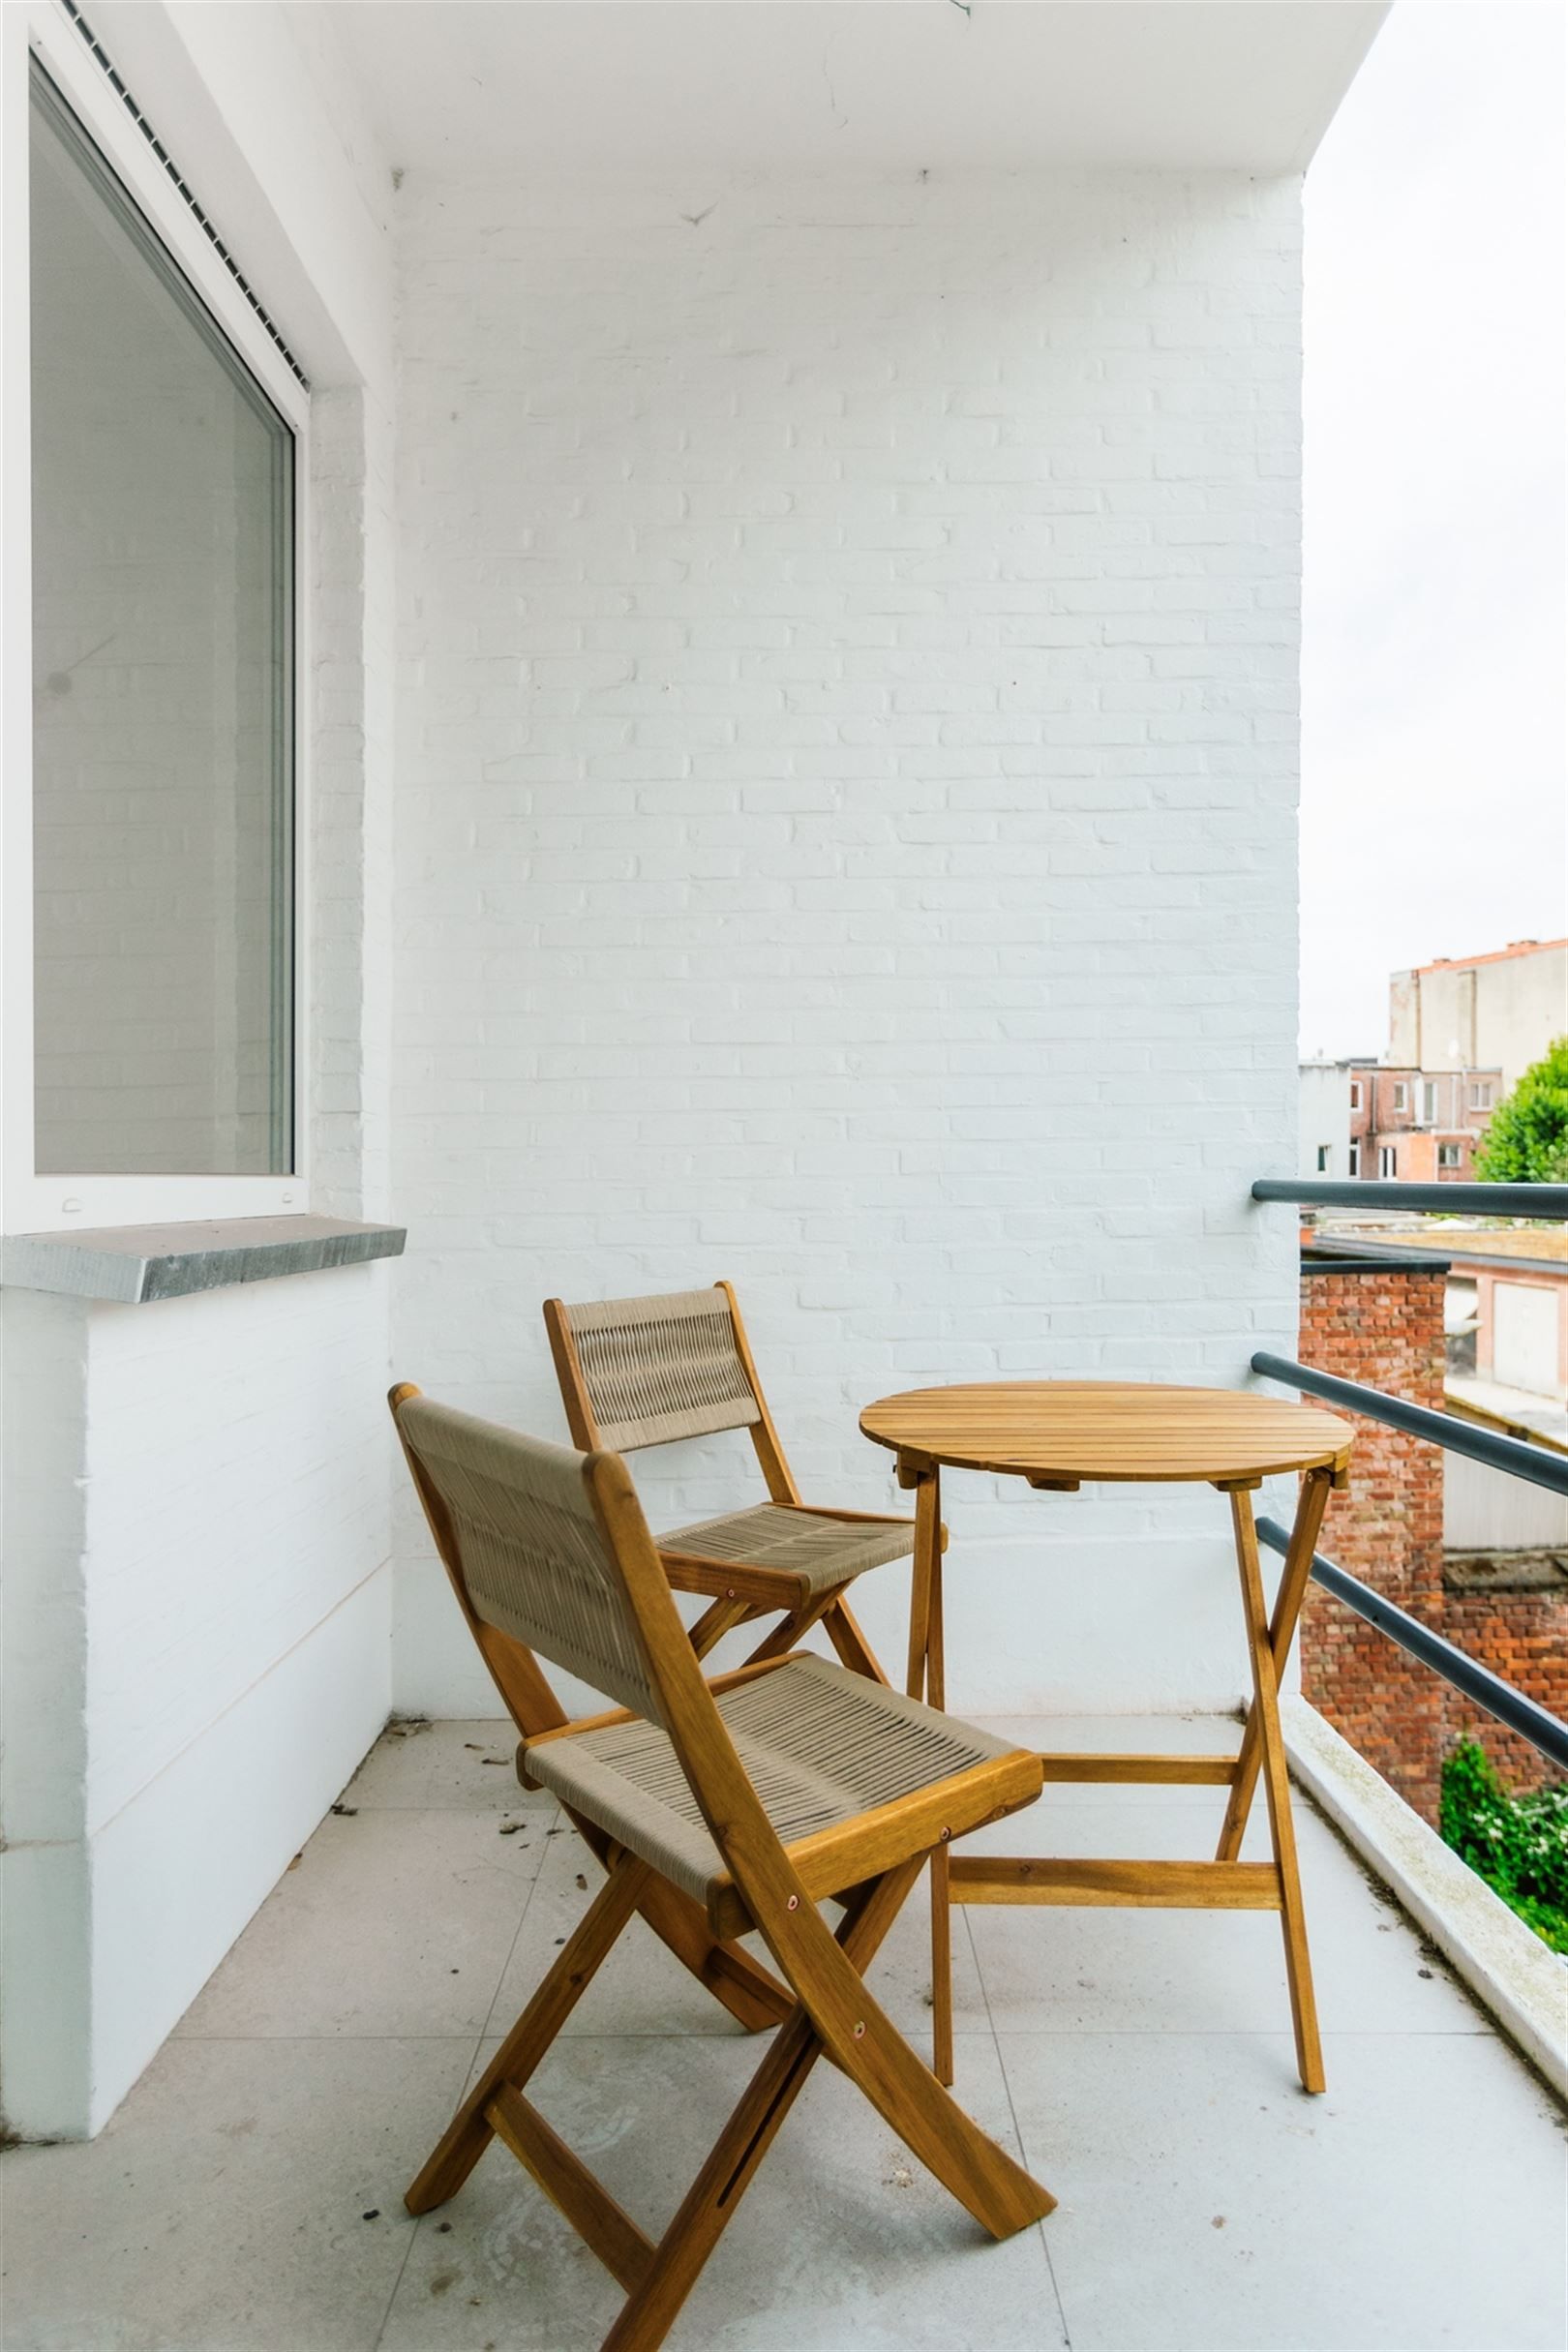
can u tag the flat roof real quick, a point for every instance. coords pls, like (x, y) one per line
(1495, 956)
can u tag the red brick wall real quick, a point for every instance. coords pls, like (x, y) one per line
(1523, 1637)
(1383, 1326)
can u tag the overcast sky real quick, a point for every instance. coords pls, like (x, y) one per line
(1435, 819)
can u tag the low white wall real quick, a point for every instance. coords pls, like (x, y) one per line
(220, 1542)
(846, 838)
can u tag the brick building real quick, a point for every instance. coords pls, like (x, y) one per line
(1419, 1126)
(1368, 1319)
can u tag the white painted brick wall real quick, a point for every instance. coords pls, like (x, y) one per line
(847, 774)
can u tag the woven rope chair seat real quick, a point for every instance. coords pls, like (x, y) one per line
(823, 1552)
(819, 1744)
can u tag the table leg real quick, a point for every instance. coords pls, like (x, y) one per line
(1270, 1742)
(1311, 1505)
(927, 1570)
(927, 1679)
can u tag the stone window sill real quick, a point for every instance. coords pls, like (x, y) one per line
(133, 1265)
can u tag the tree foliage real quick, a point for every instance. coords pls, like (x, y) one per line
(1526, 1141)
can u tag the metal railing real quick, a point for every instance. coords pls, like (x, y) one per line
(1511, 1707)
(1546, 1202)
(1513, 1455)
(1516, 1457)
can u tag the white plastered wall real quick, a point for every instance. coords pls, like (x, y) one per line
(196, 1588)
(846, 834)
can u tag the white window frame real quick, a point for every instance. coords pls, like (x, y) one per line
(1355, 1095)
(1388, 1163)
(42, 1203)
(1402, 1096)
(1355, 1159)
(1429, 1102)
(1481, 1094)
(1325, 1159)
(1457, 1156)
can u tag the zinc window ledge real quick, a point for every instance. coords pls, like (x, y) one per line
(137, 1265)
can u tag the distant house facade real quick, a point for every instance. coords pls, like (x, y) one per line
(1486, 1013)
(1324, 1135)
(1415, 1125)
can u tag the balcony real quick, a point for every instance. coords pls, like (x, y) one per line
(770, 641)
(249, 2192)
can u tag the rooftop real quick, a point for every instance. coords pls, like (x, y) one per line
(249, 2192)
(1495, 956)
(1540, 1245)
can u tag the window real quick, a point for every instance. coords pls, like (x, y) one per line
(1355, 1159)
(1429, 1102)
(164, 510)
(1450, 1155)
(1401, 1094)
(1325, 1158)
(1481, 1094)
(1355, 1093)
(1388, 1163)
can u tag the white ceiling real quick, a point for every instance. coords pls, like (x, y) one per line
(500, 85)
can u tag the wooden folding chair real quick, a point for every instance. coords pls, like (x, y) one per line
(645, 1371)
(749, 1799)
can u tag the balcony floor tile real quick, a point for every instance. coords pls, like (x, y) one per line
(1144, 2057)
(390, 1922)
(223, 2205)
(1209, 2205)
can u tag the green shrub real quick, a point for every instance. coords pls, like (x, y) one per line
(1518, 1844)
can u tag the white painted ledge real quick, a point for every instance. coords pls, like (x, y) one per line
(1506, 1966)
(133, 1265)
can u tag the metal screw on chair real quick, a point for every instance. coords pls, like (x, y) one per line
(859, 2029)
(793, 1902)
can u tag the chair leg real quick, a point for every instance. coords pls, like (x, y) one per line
(941, 2065)
(854, 1649)
(1000, 2194)
(753, 1996)
(866, 2044)
(717, 1619)
(1276, 1788)
(711, 2200)
(469, 2132)
(788, 1629)
(1312, 1502)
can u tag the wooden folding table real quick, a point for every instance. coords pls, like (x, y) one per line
(1059, 1434)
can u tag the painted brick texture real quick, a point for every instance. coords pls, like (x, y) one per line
(846, 784)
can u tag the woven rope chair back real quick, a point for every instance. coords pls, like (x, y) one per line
(663, 1368)
(530, 1553)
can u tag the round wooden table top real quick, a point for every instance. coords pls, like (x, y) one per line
(1066, 1431)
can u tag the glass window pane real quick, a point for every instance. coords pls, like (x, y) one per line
(162, 548)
